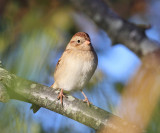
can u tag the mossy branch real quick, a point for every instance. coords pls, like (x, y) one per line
(13, 87)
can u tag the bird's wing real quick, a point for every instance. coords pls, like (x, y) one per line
(61, 60)
(58, 63)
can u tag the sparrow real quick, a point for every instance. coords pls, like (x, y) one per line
(76, 66)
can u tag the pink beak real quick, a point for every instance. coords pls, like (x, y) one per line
(87, 42)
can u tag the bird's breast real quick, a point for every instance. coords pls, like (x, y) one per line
(78, 68)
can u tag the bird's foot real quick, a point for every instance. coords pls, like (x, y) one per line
(60, 96)
(87, 101)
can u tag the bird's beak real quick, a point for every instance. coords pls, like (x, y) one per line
(87, 42)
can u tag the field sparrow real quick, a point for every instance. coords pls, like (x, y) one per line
(76, 65)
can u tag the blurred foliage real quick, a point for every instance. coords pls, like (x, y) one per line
(14, 119)
(31, 17)
(27, 29)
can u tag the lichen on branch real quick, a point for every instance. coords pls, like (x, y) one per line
(14, 87)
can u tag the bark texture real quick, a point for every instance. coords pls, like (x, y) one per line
(13, 87)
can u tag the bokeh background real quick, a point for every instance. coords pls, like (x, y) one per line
(33, 35)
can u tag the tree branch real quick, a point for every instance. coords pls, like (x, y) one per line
(118, 29)
(14, 87)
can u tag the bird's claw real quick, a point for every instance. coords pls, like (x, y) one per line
(87, 101)
(60, 96)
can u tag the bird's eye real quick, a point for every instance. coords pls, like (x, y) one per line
(78, 41)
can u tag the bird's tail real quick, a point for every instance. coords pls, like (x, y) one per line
(35, 108)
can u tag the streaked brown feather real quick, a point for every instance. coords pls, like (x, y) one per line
(60, 60)
(83, 34)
